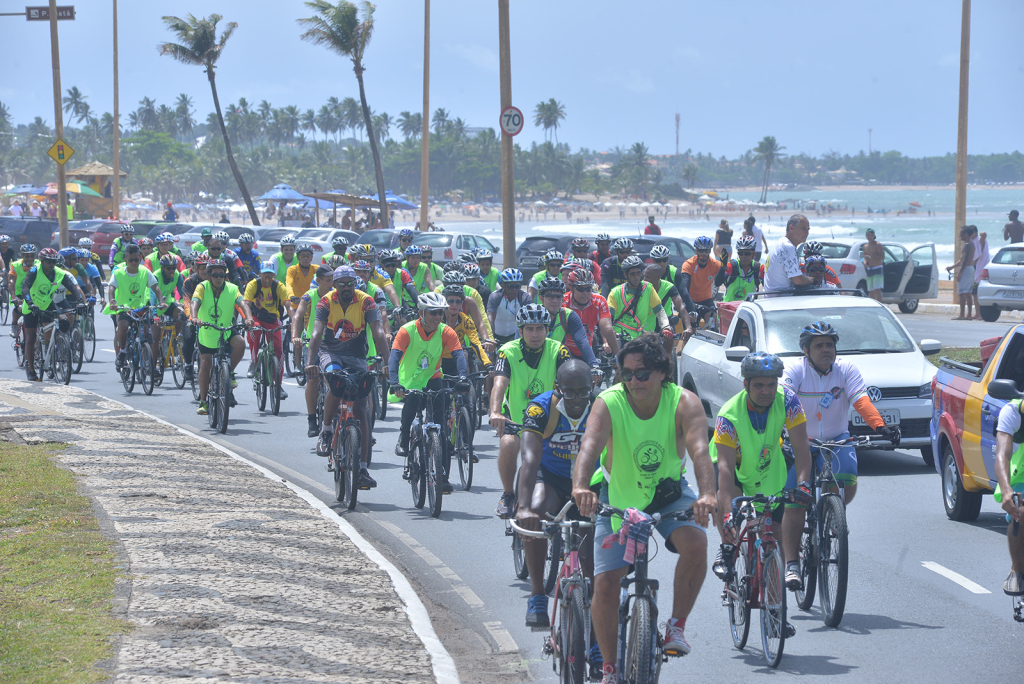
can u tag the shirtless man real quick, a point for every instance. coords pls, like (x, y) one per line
(1014, 230)
(873, 255)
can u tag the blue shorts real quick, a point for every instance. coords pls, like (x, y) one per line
(844, 465)
(606, 560)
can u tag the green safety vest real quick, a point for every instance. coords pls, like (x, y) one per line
(167, 289)
(199, 247)
(663, 288)
(118, 248)
(436, 272)
(43, 289)
(314, 297)
(526, 383)
(491, 279)
(131, 290)
(217, 311)
(1016, 460)
(671, 273)
(422, 357)
(763, 470)
(644, 451)
(559, 324)
(742, 285)
(536, 280)
(19, 275)
(371, 346)
(638, 320)
(418, 279)
(282, 267)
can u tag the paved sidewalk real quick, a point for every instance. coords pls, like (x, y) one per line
(233, 577)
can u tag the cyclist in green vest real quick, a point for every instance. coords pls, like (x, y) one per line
(743, 275)
(553, 261)
(415, 361)
(364, 271)
(94, 258)
(636, 307)
(747, 446)
(565, 321)
(633, 456)
(675, 310)
(130, 288)
(37, 290)
(119, 244)
(285, 258)
(1010, 478)
(436, 272)
(417, 269)
(472, 304)
(302, 325)
(337, 258)
(170, 283)
(485, 260)
(525, 368)
(215, 302)
(660, 255)
(16, 276)
(204, 241)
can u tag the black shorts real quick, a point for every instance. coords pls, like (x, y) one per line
(124, 317)
(211, 350)
(561, 486)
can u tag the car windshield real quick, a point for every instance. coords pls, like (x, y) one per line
(539, 245)
(276, 234)
(862, 330)
(313, 234)
(433, 239)
(377, 238)
(1010, 255)
(834, 250)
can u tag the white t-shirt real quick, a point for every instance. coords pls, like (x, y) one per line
(826, 398)
(758, 238)
(15, 210)
(781, 266)
(36, 211)
(1009, 419)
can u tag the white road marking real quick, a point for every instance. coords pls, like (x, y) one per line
(506, 644)
(461, 588)
(967, 584)
(108, 350)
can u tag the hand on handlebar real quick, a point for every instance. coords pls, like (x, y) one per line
(397, 390)
(497, 422)
(802, 494)
(889, 432)
(528, 519)
(586, 501)
(1014, 506)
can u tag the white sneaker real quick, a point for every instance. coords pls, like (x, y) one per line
(675, 640)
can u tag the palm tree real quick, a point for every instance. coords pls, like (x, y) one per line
(200, 46)
(337, 115)
(690, 175)
(326, 120)
(74, 103)
(350, 116)
(768, 151)
(411, 125)
(183, 116)
(308, 123)
(346, 30)
(548, 114)
(440, 121)
(382, 125)
(147, 114)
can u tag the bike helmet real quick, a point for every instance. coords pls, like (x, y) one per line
(551, 285)
(168, 260)
(246, 239)
(413, 250)
(659, 252)
(761, 365)
(68, 252)
(48, 254)
(603, 237)
(580, 243)
(580, 277)
(471, 270)
(29, 249)
(406, 233)
(223, 236)
(454, 290)
(812, 247)
(84, 254)
(128, 228)
(287, 240)
(159, 238)
(304, 247)
(219, 263)
(362, 251)
(340, 241)
(202, 259)
(432, 301)
(483, 253)
(361, 265)
(622, 244)
(145, 242)
(452, 266)
(454, 278)
(532, 314)
(389, 257)
(60, 262)
(360, 284)
(817, 329)
(511, 276)
(817, 260)
(703, 244)
(746, 242)
(5, 238)
(553, 255)
(268, 267)
(631, 262)
(468, 258)
(85, 242)
(426, 249)
(571, 264)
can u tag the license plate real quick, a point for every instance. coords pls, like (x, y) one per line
(890, 416)
(1013, 294)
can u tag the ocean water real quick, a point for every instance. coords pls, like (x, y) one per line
(986, 208)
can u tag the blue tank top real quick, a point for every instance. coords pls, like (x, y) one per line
(561, 437)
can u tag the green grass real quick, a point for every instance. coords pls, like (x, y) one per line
(56, 574)
(961, 354)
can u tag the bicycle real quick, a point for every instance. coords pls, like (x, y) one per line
(379, 393)
(705, 318)
(641, 649)
(77, 342)
(218, 396)
(287, 354)
(194, 379)
(171, 354)
(266, 378)
(569, 639)
(755, 577)
(344, 458)
(54, 356)
(824, 544)
(87, 324)
(303, 355)
(139, 364)
(460, 431)
(425, 458)
(5, 300)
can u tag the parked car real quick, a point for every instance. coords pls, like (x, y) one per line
(963, 422)
(149, 228)
(194, 234)
(530, 253)
(383, 238)
(268, 239)
(1002, 283)
(450, 245)
(909, 275)
(321, 239)
(76, 231)
(38, 231)
(892, 364)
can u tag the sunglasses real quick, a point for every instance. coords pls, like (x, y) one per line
(641, 375)
(434, 312)
(344, 283)
(512, 287)
(660, 261)
(551, 294)
(455, 300)
(583, 289)
(745, 252)
(572, 396)
(216, 275)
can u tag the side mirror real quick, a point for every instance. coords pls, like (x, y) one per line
(496, 249)
(736, 354)
(1005, 390)
(930, 347)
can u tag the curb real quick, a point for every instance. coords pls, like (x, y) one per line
(441, 662)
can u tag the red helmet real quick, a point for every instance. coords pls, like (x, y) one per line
(48, 254)
(580, 277)
(202, 259)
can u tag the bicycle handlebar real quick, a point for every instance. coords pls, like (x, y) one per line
(855, 441)
(556, 523)
(608, 511)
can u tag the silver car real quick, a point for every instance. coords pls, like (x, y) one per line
(450, 245)
(1002, 283)
(322, 238)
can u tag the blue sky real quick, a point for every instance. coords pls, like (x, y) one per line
(815, 74)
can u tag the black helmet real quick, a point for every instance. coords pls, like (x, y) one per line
(455, 277)
(761, 365)
(817, 329)
(551, 285)
(632, 261)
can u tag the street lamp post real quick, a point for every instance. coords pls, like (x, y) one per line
(508, 206)
(58, 118)
(425, 141)
(961, 136)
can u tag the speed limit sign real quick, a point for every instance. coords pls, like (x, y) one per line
(511, 121)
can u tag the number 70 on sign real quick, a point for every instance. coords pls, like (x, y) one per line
(511, 121)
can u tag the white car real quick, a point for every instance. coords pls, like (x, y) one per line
(909, 275)
(1002, 283)
(892, 364)
(450, 245)
(194, 235)
(321, 239)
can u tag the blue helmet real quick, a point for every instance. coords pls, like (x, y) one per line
(817, 329)
(84, 254)
(815, 259)
(413, 250)
(406, 233)
(761, 365)
(703, 244)
(68, 252)
(511, 276)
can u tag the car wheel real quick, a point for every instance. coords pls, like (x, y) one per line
(908, 306)
(961, 505)
(990, 313)
(863, 287)
(928, 456)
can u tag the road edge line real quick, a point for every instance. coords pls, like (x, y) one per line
(441, 662)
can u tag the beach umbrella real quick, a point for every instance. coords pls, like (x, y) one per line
(916, 204)
(683, 204)
(182, 205)
(24, 189)
(621, 204)
(541, 203)
(82, 189)
(633, 204)
(282, 192)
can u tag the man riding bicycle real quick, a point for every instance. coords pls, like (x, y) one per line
(470, 304)
(337, 258)
(565, 323)
(504, 305)
(697, 278)
(633, 456)
(603, 251)
(612, 272)
(419, 271)
(593, 311)
(380, 277)
(250, 258)
(117, 247)
(264, 298)
(302, 323)
(339, 344)
(636, 308)
(553, 261)
(37, 290)
(485, 259)
(299, 277)
(130, 288)
(580, 248)
(15, 278)
(169, 283)
(285, 258)
(1010, 488)
(675, 310)
(416, 360)
(742, 275)
(198, 275)
(462, 324)
(436, 272)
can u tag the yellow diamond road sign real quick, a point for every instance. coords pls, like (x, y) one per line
(60, 152)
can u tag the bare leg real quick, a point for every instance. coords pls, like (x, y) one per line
(691, 567)
(508, 456)
(604, 611)
(792, 530)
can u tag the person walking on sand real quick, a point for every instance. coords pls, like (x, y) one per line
(1014, 230)
(965, 275)
(873, 256)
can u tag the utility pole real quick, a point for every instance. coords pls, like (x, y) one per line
(508, 204)
(677, 135)
(869, 141)
(425, 140)
(58, 121)
(961, 136)
(115, 192)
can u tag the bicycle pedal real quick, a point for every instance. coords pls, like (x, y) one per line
(540, 629)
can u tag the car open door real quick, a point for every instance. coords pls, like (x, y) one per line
(896, 271)
(924, 280)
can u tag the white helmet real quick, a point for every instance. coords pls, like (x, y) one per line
(432, 301)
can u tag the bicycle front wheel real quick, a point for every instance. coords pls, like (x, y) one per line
(463, 439)
(434, 472)
(160, 362)
(574, 657)
(177, 364)
(773, 608)
(147, 368)
(223, 396)
(739, 604)
(338, 463)
(834, 559)
(62, 359)
(274, 377)
(128, 370)
(212, 404)
(260, 382)
(194, 381)
(352, 451)
(77, 349)
(640, 667)
(553, 563)
(286, 353)
(89, 334)
(300, 372)
(808, 563)
(519, 557)
(416, 458)
(5, 306)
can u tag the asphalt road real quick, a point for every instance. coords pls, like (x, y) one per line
(952, 333)
(904, 620)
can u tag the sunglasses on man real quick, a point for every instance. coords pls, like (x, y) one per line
(641, 375)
